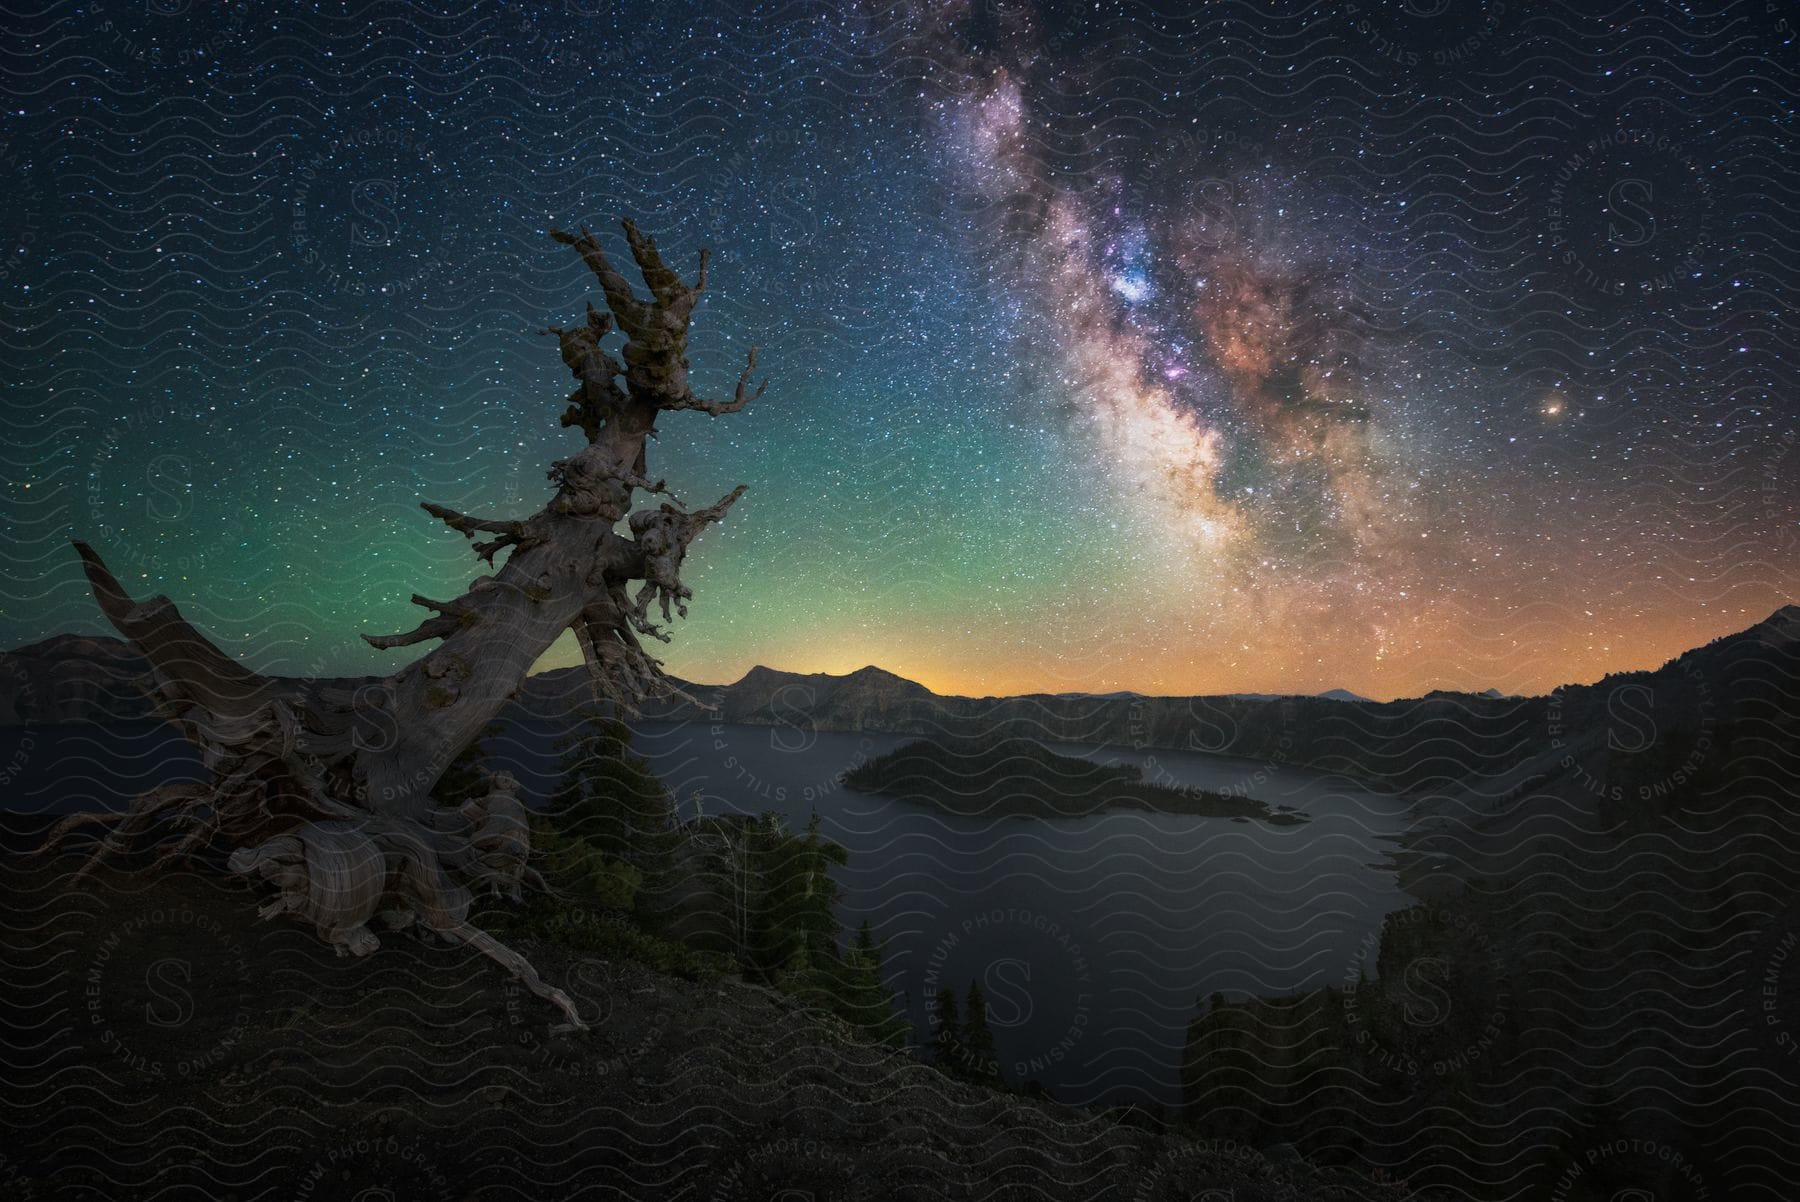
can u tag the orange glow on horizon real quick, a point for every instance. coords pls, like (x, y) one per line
(1533, 660)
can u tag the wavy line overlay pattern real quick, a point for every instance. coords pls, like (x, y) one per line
(1139, 373)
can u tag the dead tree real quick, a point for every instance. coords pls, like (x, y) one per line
(325, 791)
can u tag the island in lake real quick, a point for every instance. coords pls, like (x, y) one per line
(1018, 777)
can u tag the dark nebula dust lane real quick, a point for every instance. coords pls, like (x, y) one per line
(1111, 345)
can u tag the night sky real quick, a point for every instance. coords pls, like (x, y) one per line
(1386, 346)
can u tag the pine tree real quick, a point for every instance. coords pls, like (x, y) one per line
(1222, 1081)
(772, 882)
(867, 1001)
(608, 831)
(814, 908)
(978, 1040)
(946, 1041)
(795, 905)
(607, 795)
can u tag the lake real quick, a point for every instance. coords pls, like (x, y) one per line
(1092, 938)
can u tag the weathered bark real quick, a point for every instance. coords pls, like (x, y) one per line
(326, 793)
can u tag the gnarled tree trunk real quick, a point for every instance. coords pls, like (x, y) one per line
(325, 791)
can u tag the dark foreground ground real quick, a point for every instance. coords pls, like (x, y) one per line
(159, 1041)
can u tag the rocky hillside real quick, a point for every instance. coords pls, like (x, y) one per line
(72, 678)
(81, 678)
(1600, 996)
(200, 1053)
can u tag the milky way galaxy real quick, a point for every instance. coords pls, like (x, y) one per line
(1219, 369)
(1247, 348)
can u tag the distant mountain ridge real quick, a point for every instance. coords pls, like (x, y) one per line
(96, 678)
(1412, 745)
(1347, 695)
(1609, 895)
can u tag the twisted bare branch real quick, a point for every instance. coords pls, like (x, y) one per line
(740, 398)
(322, 788)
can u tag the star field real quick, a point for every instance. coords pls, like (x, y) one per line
(1111, 347)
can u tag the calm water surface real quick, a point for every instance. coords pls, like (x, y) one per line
(1092, 938)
